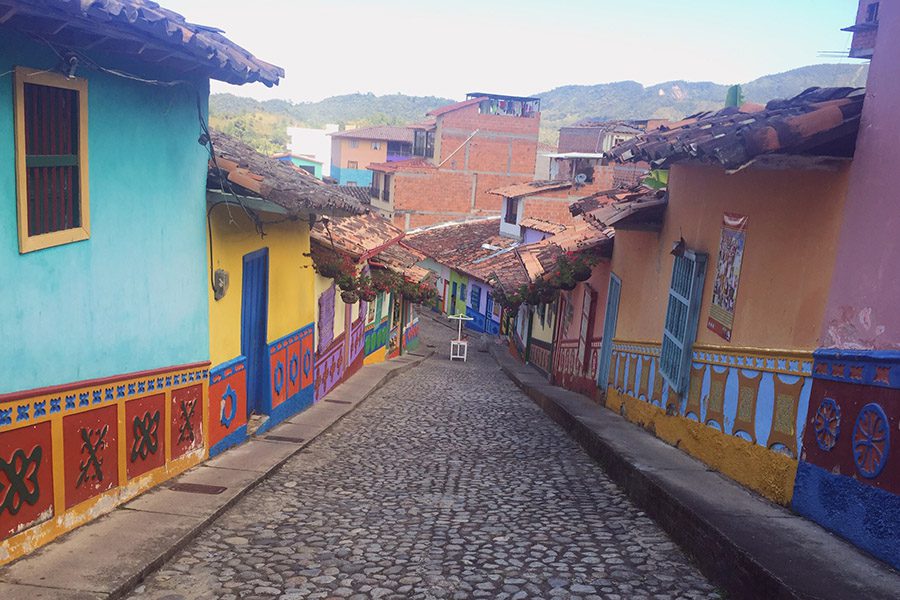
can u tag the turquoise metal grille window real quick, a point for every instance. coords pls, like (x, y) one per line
(475, 297)
(682, 315)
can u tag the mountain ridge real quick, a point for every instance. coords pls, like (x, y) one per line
(263, 124)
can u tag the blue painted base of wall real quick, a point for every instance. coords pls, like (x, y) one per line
(236, 437)
(290, 407)
(865, 515)
(344, 176)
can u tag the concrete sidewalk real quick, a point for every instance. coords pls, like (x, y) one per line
(742, 542)
(108, 557)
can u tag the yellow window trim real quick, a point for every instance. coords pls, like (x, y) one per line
(30, 243)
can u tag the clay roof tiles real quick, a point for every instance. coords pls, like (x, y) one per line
(403, 260)
(542, 225)
(530, 188)
(279, 182)
(458, 245)
(144, 30)
(359, 236)
(387, 133)
(817, 122)
(412, 164)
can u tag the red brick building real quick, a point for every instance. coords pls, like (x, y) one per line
(461, 152)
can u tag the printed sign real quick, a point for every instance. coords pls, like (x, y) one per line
(728, 273)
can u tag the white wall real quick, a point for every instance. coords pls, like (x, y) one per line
(314, 142)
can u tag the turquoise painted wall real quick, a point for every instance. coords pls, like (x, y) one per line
(362, 177)
(311, 164)
(133, 296)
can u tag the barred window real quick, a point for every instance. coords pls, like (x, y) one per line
(51, 159)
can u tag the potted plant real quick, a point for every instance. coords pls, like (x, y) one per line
(365, 288)
(349, 297)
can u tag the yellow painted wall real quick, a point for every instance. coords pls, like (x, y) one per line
(768, 473)
(291, 303)
(794, 219)
(342, 150)
(544, 333)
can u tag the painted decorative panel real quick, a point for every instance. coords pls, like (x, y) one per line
(329, 367)
(187, 420)
(90, 443)
(307, 357)
(411, 335)
(94, 434)
(26, 478)
(539, 355)
(376, 337)
(757, 396)
(278, 371)
(568, 370)
(848, 479)
(227, 405)
(145, 426)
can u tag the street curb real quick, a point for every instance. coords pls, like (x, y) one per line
(149, 567)
(719, 556)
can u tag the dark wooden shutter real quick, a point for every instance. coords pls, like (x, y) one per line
(51, 158)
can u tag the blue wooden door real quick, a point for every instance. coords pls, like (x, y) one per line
(609, 330)
(254, 321)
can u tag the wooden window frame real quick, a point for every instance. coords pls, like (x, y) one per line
(677, 372)
(30, 243)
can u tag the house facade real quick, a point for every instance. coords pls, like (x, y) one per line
(463, 151)
(105, 321)
(848, 476)
(261, 306)
(718, 296)
(353, 150)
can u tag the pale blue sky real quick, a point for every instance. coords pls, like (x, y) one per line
(448, 48)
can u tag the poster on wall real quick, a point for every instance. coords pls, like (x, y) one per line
(728, 273)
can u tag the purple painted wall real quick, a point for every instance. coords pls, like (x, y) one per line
(862, 306)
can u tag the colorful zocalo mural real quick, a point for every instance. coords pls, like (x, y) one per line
(848, 478)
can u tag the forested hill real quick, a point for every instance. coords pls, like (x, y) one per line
(263, 124)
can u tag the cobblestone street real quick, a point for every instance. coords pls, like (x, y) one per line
(446, 483)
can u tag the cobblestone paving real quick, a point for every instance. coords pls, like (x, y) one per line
(448, 483)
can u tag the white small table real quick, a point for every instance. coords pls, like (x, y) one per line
(459, 348)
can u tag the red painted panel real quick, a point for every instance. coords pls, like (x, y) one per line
(227, 401)
(187, 419)
(90, 445)
(26, 478)
(279, 375)
(838, 456)
(307, 359)
(294, 366)
(145, 440)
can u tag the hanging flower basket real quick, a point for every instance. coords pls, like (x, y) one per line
(569, 285)
(581, 273)
(329, 270)
(349, 297)
(346, 282)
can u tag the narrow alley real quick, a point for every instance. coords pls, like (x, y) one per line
(446, 483)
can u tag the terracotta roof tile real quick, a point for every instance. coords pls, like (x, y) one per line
(530, 188)
(167, 36)
(360, 236)
(542, 225)
(387, 133)
(412, 164)
(276, 181)
(403, 260)
(459, 245)
(817, 122)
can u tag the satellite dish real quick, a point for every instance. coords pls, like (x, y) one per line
(580, 178)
